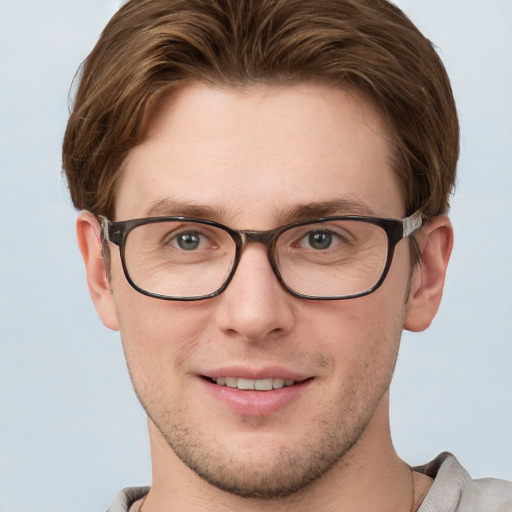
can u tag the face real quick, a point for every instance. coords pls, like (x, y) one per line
(255, 159)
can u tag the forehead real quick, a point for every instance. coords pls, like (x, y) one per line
(250, 155)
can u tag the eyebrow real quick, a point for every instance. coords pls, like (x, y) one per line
(170, 208)
(326, 209)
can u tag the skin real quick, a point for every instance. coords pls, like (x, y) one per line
(249, 158)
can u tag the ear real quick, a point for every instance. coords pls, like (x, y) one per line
(435, 241)
(88, 232)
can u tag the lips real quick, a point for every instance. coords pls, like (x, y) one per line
(255, 392)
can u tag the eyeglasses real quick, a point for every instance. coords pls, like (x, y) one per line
(331, 258)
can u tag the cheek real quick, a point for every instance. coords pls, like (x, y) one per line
(360, 337)
(159, 337)
(365, 364)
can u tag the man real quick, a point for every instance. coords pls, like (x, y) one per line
(265, 187)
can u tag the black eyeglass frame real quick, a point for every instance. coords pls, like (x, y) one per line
(395, 229)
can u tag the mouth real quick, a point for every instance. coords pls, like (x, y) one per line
(268, 384)
(251, 392)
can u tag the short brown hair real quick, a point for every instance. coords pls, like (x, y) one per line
(150, 46)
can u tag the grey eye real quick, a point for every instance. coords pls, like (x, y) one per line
(320, 240)
(188, 241)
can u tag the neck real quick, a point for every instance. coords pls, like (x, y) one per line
(369, 477)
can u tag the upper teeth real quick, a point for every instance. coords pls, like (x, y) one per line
(259, 384)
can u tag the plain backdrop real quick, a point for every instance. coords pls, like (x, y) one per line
(71, 431)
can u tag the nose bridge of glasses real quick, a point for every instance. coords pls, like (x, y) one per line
(265, 238)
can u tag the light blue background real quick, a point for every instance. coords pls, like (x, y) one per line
(71, 431)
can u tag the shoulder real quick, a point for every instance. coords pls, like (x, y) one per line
(489, 494)
(455, 491)
(126, 498)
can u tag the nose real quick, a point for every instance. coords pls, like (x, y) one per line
(255, 306)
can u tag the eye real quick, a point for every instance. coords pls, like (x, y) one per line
(187, 241)
(320, 240)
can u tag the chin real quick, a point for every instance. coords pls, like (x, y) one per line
(261, 466)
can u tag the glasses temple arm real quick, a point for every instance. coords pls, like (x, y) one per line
(412, 223)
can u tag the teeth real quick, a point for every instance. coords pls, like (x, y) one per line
(246, 384)
(259, 385)
(231, 382)
(264, 384)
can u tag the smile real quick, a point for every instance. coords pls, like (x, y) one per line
(251, 384)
